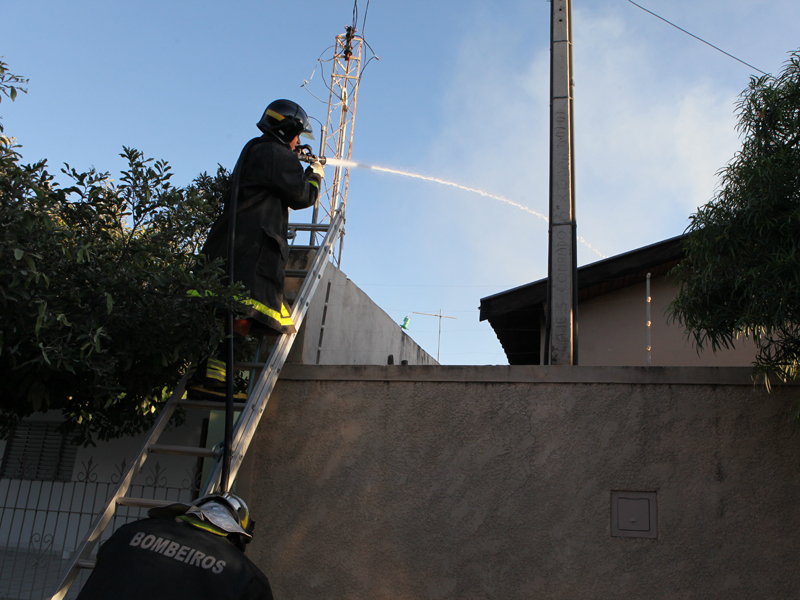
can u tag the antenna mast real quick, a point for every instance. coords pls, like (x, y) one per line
(337, 137)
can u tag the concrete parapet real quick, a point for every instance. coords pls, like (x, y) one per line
(496, 482)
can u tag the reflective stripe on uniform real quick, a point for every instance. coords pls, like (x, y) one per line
(203, 525)
(283, 317)
(215, 369)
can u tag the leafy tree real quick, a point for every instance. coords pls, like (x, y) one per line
(10, 85)
(741, 276)
(103, 298)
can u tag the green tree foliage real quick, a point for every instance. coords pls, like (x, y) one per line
(10, 85)
(741, 277)
(98, 318)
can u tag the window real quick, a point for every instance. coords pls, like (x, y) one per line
(37, 450)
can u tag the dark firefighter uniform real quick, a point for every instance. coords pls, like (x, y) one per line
(272, 182)
(168, 559)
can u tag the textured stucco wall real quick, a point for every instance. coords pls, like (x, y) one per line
(495, 482)
(351, 329)
(613, 332)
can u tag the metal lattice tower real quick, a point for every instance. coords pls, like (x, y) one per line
(337, 137)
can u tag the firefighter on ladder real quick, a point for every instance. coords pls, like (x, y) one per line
(183, 552)
(270, 181)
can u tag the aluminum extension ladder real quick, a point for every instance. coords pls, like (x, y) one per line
(245, 427)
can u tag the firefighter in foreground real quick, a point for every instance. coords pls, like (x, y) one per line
(270, 181)
(183, 552)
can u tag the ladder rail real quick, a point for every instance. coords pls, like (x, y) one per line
(258, 399)
(84, 550)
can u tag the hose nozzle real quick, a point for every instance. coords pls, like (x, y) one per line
(304, 154)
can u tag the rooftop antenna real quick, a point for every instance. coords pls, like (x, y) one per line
(562, 289)
(441, 316)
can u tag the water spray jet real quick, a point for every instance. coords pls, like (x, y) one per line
(349, 164)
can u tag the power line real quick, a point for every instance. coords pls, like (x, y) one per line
(698, 38)
(364, 23)
(355, 14)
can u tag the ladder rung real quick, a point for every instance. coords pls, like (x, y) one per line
(208, 404)
(296, 273)
(85, 564)
(181, 450)
(249, 366)
(143, 502)
(309, 226)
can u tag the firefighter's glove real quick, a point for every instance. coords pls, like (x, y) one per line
(318, 169)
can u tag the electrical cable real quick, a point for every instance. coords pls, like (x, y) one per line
(364, 23)
(321, 126)
(374, 56)
(322, 72)
(698, 38)
(362, 37)
(314, 95)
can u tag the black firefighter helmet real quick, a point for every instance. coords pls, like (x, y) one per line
(285, 119)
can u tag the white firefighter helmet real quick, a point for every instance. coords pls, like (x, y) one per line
(226, 511)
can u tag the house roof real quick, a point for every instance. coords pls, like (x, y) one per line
(516, 314)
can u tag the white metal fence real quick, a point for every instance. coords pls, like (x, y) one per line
(42, 522)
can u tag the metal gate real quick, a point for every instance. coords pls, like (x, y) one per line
(42, 522)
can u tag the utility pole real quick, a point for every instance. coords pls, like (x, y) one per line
(562, 291)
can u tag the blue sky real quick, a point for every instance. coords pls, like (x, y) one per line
(460, 92)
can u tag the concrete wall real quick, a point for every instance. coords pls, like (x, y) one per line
(344, 326)
(613, 332)
(495, 482)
